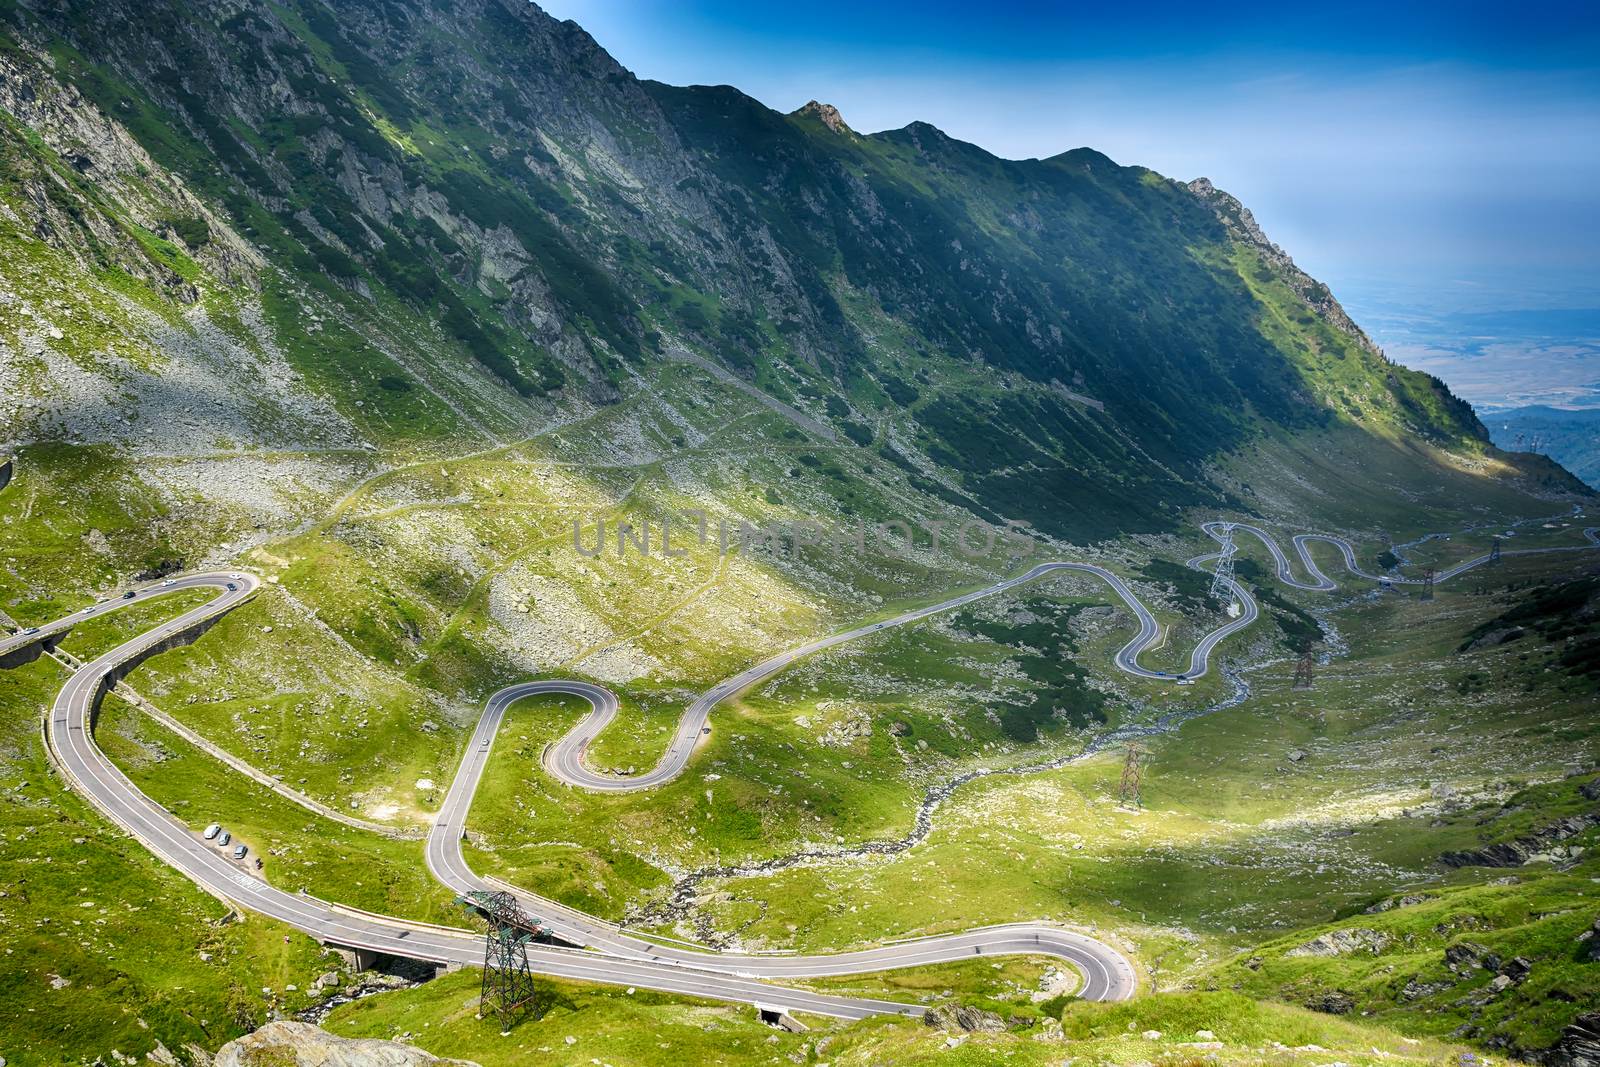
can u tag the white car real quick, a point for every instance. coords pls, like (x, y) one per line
(212, 831)
(170, 581)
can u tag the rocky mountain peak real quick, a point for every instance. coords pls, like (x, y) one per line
(827, 114)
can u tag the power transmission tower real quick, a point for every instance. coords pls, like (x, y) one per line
(1132, 773)
(1427, 584)
(1494, 551)
(1304, 669)
(507, 980)
(1222, 577)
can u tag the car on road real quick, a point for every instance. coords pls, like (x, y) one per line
(30, 630)
(129, 595)
(170, 581)
(232, 587)
(211, 831)
(237, 577)
(239, 851)
(223, 839)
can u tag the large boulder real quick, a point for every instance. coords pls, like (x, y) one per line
(1517, 968)
(291, 1044)
(962, 1017)
(1464, 955)
(1333, 1002)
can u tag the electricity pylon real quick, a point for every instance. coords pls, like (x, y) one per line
(1304, 669)
(507, 980)
(1427, 584)
(1132, 773)
(1222, 577)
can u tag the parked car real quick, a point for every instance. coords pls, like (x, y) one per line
(212, 831)
(239, 851)
(223, 839)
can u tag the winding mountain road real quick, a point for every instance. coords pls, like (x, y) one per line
(609, 954)
(565, 758)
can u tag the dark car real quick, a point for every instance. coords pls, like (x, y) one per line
(129, 595)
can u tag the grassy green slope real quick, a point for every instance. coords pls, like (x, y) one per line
(109, 949)
(577, 1024)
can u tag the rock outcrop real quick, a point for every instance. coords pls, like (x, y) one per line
(1497, 637)
(1591, 939)
(1342, 943)
(962, 1017)
(1579, 1045)
(827, 114)
(290, 1044)
(1523, 849)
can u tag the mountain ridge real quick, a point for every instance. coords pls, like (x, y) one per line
(575, 218)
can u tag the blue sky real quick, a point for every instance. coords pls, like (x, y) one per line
(1452, 151)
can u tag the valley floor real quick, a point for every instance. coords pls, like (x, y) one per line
(1269, 830)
